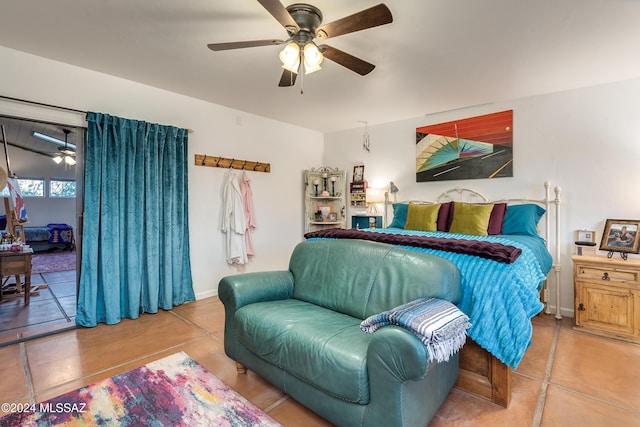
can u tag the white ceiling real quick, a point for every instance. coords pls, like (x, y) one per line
(437, 55)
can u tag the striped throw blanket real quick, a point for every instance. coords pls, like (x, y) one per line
(438, 323)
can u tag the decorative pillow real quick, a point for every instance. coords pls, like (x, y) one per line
(496, 219)
(522, 219)
(471, 218)
(443, 216)
(422, 217)
(399, 215)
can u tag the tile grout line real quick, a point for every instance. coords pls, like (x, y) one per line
(119, 365)
(598, 399)
(542, 397)
(203, 330)
(211, 335)
(28, 379)
(55, 298)
(276, 404)
(138, 358)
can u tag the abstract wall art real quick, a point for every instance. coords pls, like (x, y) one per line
(471, 148)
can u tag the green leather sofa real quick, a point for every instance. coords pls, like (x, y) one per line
(300, 330)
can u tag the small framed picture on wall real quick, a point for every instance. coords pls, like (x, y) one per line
(358, 173)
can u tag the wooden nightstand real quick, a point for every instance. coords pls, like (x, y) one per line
(607, 297)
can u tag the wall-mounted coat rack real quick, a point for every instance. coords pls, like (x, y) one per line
(224, 162)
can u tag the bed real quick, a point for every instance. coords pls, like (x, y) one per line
(505, 272)
(50, 237)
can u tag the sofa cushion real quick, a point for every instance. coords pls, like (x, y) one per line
(361, 278)
(318, 346)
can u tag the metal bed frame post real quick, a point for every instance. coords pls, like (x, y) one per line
(557, 267)
(547, 236)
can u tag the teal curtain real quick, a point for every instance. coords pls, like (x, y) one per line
(135, 246)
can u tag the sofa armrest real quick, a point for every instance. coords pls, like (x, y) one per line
(396, 355)
(241, 289)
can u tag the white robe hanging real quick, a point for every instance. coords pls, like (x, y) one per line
(233, 221)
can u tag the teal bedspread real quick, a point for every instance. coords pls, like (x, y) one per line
(499, 298)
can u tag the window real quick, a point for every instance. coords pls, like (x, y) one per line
(31, 187)
(62, 188)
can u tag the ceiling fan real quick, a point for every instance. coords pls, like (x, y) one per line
(66, 152)
(303, 23)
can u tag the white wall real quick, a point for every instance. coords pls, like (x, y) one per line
(219, 131)
(586, 141)
(46, 210)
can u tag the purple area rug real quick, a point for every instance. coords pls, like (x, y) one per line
(174, 391)
(54, 261)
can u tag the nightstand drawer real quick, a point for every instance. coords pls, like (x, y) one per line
(588, 272)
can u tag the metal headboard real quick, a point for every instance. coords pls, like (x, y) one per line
(471, 196)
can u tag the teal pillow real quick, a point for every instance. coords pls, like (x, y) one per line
(399, 215)
(522, 219)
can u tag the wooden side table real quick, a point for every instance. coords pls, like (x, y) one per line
(607, 296)
(17, 264)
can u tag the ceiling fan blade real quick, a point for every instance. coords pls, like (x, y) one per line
(277, 9)
(288, 78)
(347, 60)
(240, 45)
(368, 18)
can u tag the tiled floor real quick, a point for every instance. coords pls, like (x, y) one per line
(567, 378)
(52, 308)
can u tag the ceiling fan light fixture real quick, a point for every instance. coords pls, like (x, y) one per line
(69, 160)
(312, 58)
(290, 57)
(57, 159)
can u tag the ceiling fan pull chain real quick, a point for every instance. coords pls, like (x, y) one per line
(301, 72)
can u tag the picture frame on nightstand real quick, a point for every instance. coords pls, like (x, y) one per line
(620, 235)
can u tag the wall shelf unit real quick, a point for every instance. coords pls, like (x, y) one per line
(324, 199)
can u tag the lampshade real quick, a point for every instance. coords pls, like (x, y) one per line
(290, 57)
(374, 195)
(312, 58)
(393, 188)
(69, 160)
(57, 159)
